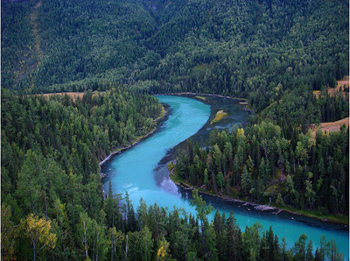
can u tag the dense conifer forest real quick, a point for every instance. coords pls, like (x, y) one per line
(276, 54)
(261, 165)
(242, 48)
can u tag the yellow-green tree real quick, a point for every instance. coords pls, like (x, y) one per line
(162, 253)
(38, 230)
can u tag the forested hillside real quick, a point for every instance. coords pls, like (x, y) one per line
(241, 48)
(77, 135)
(263, 165)
(52, 202)
(273, 53)
(50, 150)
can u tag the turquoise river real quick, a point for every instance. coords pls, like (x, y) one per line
(138, 171)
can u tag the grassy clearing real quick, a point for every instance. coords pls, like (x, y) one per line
(219, 115)
(338, 90)
(240, 99)
(330, 126)
(73, 95)
(334, 126)
(200, 97)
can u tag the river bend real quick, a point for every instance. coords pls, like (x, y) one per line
(137, 171)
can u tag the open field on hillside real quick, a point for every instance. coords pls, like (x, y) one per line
(341, 85)
(331, 126)
(74, 95)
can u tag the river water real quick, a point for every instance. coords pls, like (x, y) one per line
(140, 171)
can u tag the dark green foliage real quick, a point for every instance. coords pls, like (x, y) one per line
(255, 49)
(114, 218)
(50, 153)
(274, 53)
(292, 174)
(17, 44)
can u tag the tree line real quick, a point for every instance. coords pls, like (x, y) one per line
(51, 148)
(150, 233)
(274, 53)
(52, 201)
(261, 164)
(237, 48)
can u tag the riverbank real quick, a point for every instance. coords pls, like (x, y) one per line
(243, 102)
(337, 220)
(116, 151)
(139, 172)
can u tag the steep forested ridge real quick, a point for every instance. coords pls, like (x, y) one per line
(242, 48)
(274, 53)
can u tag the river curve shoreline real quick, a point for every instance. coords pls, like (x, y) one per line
(116, 151)
(256, 206)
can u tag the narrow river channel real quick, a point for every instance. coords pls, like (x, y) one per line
(138, 171)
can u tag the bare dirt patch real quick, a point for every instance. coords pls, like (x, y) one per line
(73, 95)
(330, 126)
(338, 90)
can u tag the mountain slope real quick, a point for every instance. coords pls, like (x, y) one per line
(227, 47)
